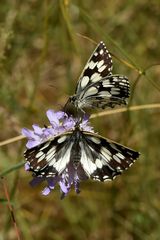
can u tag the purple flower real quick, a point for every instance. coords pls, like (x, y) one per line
(60, 123)
(65, 180)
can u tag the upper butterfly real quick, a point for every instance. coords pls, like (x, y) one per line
(97, 87)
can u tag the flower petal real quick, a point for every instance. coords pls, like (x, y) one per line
(32, 143)
(52, 116)
(37, 130)
(27, 133)
(69, 123)
(46, 191)
(65, 189)
(52, 182)
(61, 115)
(36, 180)
(27, 166)
(49, 132)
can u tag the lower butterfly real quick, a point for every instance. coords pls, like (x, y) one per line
(82, 154)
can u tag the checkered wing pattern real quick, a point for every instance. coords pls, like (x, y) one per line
(98, 66)
(94, 156)
(97, 87)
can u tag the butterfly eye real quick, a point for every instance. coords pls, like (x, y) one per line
(73, 98)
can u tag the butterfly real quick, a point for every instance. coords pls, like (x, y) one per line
(97, 86)
(83, 154)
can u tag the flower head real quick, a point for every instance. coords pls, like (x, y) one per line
(60, 123)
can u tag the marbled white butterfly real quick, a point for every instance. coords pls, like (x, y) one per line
(84, 154)
(97, 86)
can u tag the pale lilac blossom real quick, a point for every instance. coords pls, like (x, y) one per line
(60, 123)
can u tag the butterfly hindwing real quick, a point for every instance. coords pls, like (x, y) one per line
(108, 92)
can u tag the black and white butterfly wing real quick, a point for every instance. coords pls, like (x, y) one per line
(103, 159)
(108, 92)
(51, 157)
(88, 155)
(56, 156)
(98, 66)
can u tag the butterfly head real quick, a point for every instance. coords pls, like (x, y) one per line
(73, 100)
(72, 107)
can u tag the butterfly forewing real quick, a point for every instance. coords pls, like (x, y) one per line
(98, 66)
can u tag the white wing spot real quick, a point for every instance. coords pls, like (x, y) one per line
(106, 151)
(131, 163)
(120, 156)
(107, 81)
(115, 79)
(114, 92)
(84, 81)
(45, 146)
(41, 158)
(50, 156)
(100, 63)
(96, 54)
(122, 84)
(98, 162)
(92, 64)
(95, 77)
(52, 150)
(119, 169)
(115, 157)
(52, 162)
(107, 179)
(124, 80)
(106, 154)
(61, 139)
(95, 140)
(39, 154)
(115, 89)
(101, 51)
(91, 91)
(104, 94)
(101, 68)
(108, 85)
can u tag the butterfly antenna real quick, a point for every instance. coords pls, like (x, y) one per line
(58, 90)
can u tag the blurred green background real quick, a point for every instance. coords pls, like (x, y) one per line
(42, 52)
